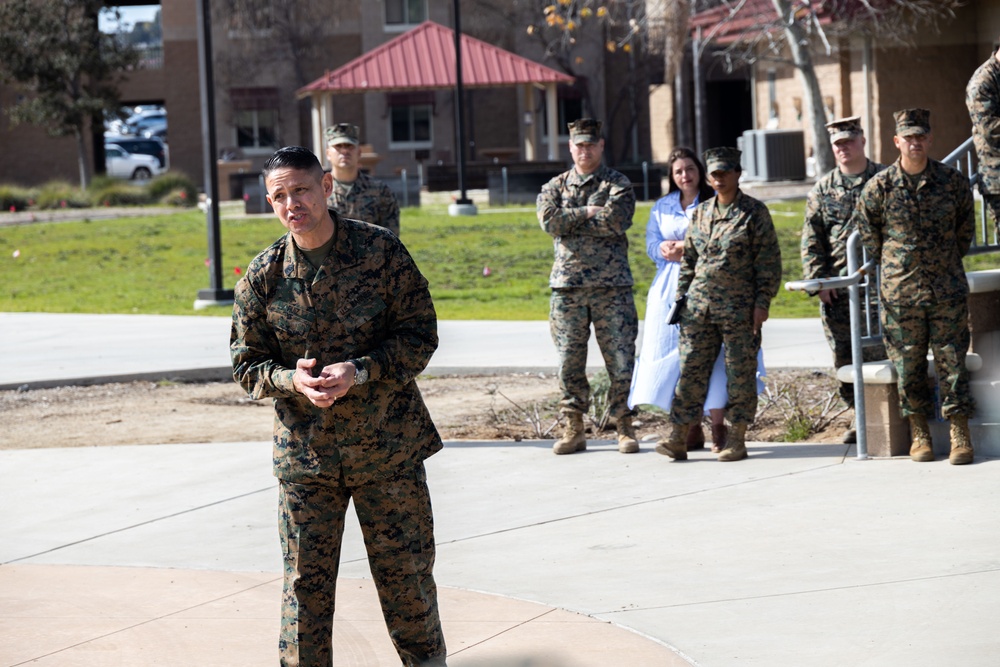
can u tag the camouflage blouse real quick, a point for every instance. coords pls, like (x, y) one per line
(367, 301)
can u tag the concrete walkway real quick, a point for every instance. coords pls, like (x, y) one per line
(801, 555)
(47, 349)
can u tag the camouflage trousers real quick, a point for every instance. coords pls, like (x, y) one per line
(616, 324)
(909, 332)
(398, 528)
(699, 348)
(836, 319)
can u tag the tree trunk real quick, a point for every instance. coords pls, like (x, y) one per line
(802, 58)
(81, 158)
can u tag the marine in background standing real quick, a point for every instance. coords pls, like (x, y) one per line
(587, 211)
(917, 218)
(824, 240)
(357, 195)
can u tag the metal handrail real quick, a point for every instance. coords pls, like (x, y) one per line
(863, 273)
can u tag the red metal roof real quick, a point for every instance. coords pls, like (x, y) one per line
(753, 17)
(424, 59)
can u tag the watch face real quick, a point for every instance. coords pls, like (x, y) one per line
(361, 375)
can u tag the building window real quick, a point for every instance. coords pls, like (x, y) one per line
(404, 13)
(410, 126)
(255, 118)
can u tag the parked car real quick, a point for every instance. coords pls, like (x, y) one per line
(157, 130)
(145, 145)
(141, 122)
(136, 166)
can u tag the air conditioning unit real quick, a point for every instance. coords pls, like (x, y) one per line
(774, 155)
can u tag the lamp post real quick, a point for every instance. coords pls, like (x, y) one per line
(464, 205)
(214, 295)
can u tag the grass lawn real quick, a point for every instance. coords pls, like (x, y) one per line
(156, 265)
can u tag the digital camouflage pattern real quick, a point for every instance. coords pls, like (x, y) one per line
(731, 265)
(699, 348)
(588, 252)
(912, 121)
(368, 200)
(343, 133)
(909, 332)
(731, 262)
(829, 206)
(919, 233)
(367, 301)
(591, 254)
(612, 312)
(723, 158)
(396, 522)
(844, 128)
(827, 226)
(584, 130)
(982, 97)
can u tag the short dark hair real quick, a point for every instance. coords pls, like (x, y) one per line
(292, 157)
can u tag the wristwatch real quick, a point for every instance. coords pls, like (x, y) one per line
(360, 372)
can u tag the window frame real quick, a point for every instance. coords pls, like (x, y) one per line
(411, 144)
(407, 23)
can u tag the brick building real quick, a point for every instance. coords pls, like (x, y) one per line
(857, 78)
(260, 63)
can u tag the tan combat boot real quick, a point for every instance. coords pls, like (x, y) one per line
(695, 437)
(574, 438)
(736, 448)
(627, 444)
(920, 439)
(961, 442)
(675, 446)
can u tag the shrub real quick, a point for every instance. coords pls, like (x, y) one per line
(12, 196)
(173, 188)
(178, 197)
(118, 193)
(61, 194)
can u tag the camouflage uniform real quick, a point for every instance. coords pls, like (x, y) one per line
(367, 301)
(920, 228)
(731, 265)
(982, 97)
(366, 199)
(591, 282)
(824, 255)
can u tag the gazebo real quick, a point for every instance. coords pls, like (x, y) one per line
(423, 59)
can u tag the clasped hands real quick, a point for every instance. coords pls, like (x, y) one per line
(324, 389)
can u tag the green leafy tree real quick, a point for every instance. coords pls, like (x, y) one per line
(70, 69)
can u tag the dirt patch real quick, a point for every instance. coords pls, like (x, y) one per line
(496, 407)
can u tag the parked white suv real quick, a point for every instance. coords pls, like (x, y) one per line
(136, 166)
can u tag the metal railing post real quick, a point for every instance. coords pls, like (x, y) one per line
(645, 181)
(857, 352)
(406, 188)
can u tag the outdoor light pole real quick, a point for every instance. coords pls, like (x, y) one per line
(464, 205)
(215, 294)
